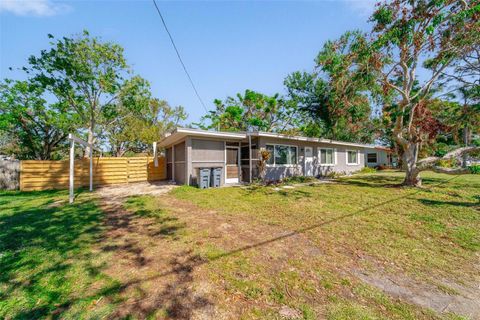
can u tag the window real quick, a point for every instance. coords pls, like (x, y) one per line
(271, 160)
(352, 157)
(371, 157)
(327, 156)
(282, 155)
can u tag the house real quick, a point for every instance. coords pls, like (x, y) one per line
(187, 150)
(376, 156)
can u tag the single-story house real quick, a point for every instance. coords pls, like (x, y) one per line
(237, 154)
(377, 156)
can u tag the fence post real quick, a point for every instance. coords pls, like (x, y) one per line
(72, 170)
(20, 178)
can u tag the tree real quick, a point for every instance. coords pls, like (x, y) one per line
(338, 94)
(39, 128)
(85, 74)
(412, 37)
(252, 110)
(138, 130)
(465, 76)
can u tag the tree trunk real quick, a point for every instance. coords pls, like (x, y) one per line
(412, 173)
(466, 136)
(90, 139)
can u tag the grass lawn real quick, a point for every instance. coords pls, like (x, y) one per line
(310, 252)
(47, 261)
(434, 230)
(431, 235)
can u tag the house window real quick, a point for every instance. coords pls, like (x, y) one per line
(327, 156)
(371, 157)
(352, 157)
(282, 155)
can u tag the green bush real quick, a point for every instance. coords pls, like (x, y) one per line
(298, 179)
(450, 163)
(367, 170)
(475, 169)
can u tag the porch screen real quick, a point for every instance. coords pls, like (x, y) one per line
(232, 156)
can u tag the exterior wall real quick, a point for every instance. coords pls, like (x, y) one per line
(341, 166)
(381, 157)
(168, 157)
(206, 154)
(192, 153)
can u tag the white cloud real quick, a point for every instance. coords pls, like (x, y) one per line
(41, 8)
(364, 7)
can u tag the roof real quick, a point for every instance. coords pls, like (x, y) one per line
(180, 133)
(308, 139)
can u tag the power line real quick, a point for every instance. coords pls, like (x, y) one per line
(179, 57)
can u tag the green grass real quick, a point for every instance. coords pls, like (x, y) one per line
(46, 260)
(148, 206)
(433, 229)
(52, 264)
(429, 233)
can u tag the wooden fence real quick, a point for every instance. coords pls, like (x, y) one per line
(43, 175)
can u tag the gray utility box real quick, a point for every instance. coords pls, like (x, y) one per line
(203, 178)
(216, 177)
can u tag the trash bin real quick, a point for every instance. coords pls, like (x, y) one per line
(216, 177)
(203, 178)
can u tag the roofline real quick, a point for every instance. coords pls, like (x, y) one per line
(211, 133)
(181, 132)
(308, 139)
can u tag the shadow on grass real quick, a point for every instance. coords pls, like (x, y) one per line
(440, 203)
(42, 238)
(372, 181)
(292, 192)
(295, 232)
(128, 237)
(166, 225)
(296, 194)
(48, 268)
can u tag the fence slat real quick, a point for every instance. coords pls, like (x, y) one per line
(44, 175)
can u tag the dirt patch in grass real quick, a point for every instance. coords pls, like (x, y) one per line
(155, 270)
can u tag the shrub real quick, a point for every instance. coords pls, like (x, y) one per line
(475, 169)
(449, 163)
(334, 174)
(298, 179)
(367, 170)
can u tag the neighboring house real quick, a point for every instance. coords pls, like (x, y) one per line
(376, 156)
(236, 153)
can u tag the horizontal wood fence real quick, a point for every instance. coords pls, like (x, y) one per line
(44, 175)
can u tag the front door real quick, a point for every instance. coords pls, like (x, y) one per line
(308, 161)
(232, 169)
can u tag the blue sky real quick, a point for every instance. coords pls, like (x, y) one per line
(228, 46)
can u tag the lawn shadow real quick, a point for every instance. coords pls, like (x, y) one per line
(127, 234)
(430, 202)
(372, 180)
(295, 193)
(177, 299)
(303, 230)
(291, 192)
(40, 243)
